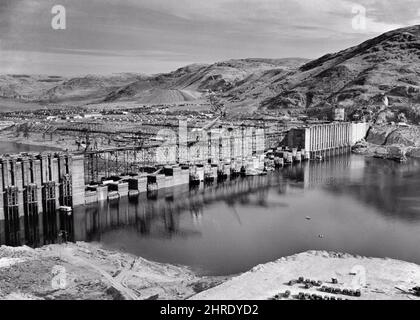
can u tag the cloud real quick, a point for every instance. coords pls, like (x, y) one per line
(77, 64)
(191, 30)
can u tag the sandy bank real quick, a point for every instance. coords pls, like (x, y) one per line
(86, 271)
(382, 276)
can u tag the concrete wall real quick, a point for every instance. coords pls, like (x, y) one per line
(326, 136)
(78, 179)
(1, 193)
(359, 131)
(259, 141)
(19, 172)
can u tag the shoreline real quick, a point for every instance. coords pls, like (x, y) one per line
(87, 271)
(56, 145)
(32, 143)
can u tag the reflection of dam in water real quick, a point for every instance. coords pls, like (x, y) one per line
(361, 205)
(229, 227)
(321, 172)
(339, 175)
(162, 209)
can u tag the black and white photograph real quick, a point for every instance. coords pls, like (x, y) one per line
(210, 150)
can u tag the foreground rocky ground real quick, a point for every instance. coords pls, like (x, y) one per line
(85, 271)
(375, 278)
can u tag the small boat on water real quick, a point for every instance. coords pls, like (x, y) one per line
(319, 158)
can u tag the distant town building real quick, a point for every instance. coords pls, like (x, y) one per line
(93, 116)
(52, 118)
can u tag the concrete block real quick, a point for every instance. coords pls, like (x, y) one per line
(161, 181)
(113, 195)
(102, 192)
(152, 182)
(19, 184)
(78, 180)
(123, 189)
(180, 176)
(200, 173)
(169, 181)
(226, 169)
(1, 197)
(38, 182)
(91, 197)
(142, 184)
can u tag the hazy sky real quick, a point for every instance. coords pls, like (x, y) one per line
(151, 36)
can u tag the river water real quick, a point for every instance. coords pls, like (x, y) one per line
(14, 147)
(349, 204)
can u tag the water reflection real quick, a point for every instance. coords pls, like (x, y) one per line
(37, 229)
(362, 206)
(389, 187)
(159, 214)
(14, 147)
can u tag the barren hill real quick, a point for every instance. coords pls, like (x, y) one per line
(56, 89)
(185, 84)
(388, 64)
(190, 82)
(354, 78)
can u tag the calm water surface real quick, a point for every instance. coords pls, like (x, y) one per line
(359, 205)
(14, 147)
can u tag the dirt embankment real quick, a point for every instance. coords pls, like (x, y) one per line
(86, 271)
(391, 142)
(375, 278)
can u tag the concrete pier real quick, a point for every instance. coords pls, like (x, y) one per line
(33, 187)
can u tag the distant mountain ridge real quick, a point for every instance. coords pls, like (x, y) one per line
(386, 65)
(184, 84)
(353, 78)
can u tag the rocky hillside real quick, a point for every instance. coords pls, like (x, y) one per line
(190, 82)
(185, 84)
(391, 142)
(55, 89)
(357, 77)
